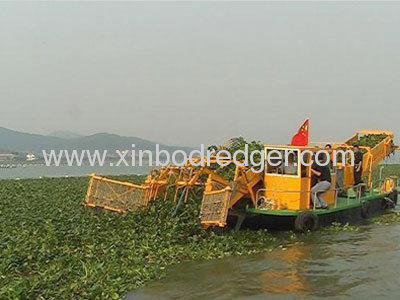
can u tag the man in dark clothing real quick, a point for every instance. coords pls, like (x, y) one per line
(314, 178)
(328, 147)
(323, 175)
(358, 159)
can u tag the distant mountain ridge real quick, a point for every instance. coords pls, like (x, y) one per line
(65, 134)
(15, 141)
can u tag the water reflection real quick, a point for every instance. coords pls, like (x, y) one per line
(289, 277)
(338, 265)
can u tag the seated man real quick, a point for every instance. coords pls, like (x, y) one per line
(323, 175)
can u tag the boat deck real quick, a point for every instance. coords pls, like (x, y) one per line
(341, 204)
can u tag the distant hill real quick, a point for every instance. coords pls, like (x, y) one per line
(11, 140)
(65, 134)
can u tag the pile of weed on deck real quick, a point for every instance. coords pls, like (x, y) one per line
(53, 248)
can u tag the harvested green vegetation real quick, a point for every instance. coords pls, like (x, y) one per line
(53, 248)
(237, 144)
(371, 140)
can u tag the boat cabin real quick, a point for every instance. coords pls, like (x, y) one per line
(288, 185)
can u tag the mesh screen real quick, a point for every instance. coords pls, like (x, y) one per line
(214, 207)
(116, 196)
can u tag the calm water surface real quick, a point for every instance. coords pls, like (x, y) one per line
(37, 171)
(334, 265)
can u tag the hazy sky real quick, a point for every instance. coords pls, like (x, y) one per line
(191, 73)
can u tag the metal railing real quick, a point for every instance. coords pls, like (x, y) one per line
(258, 197)
(358, 189)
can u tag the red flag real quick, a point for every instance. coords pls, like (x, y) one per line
(301, 137)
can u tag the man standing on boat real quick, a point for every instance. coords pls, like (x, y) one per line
(358, 159)
(323, 175)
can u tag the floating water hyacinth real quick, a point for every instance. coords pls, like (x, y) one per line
(53, 248)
